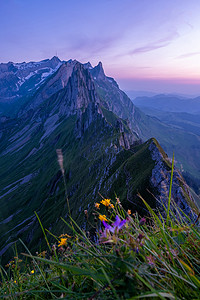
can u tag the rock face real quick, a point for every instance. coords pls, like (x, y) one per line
(160, 180)
(98, 72)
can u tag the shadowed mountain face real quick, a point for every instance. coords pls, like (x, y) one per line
(81, 111)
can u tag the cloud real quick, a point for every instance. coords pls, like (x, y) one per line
(155, 45)
(189, 25)
(186, 55)
(143, 67)
(84, 47)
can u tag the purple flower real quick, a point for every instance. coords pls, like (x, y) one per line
(142, 221)
(116, 226)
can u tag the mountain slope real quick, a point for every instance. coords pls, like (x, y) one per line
(185, 145)
(101, 154)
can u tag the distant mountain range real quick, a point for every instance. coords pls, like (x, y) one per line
(52, 105)
(169, 103)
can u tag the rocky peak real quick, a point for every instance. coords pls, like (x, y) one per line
(55, 61)
(71, 86)
(88, 65)
(98, 72)
(82, 87)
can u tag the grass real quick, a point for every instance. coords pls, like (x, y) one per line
(157, 257)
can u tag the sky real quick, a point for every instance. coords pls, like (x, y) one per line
(146, 45)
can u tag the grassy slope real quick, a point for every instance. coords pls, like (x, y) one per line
(87, 163)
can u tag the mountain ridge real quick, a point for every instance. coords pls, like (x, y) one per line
(86, 118)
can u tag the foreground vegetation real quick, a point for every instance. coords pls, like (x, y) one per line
(129, 258)
(119, 256)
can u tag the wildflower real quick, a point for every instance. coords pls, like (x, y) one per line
(85, 212)
(102, 218)
(150, 260)
(97, 205)
(15, 281)
(106, 202)
(129, 212)
(111, 206)
(118, 201)
(142, 221)
(63, 242)
(65, 235)
(116, 226)
(32, 272)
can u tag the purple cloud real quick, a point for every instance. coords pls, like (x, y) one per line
(186, 55)
(84, 47)
(155, 45)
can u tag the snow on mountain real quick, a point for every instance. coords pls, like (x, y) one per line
(16, 79)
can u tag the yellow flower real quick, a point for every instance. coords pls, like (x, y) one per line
(32, 272)
(15, 281)
(129, 212)
(63, 242)
(102, 218)
(97, 205)
(111, 206)
(106, 202)
(64, 235)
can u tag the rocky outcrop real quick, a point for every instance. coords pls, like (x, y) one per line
(98, 72)
(160, 180)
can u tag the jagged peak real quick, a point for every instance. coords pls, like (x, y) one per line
(55, 59)
(88, 65)
(98, 72)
